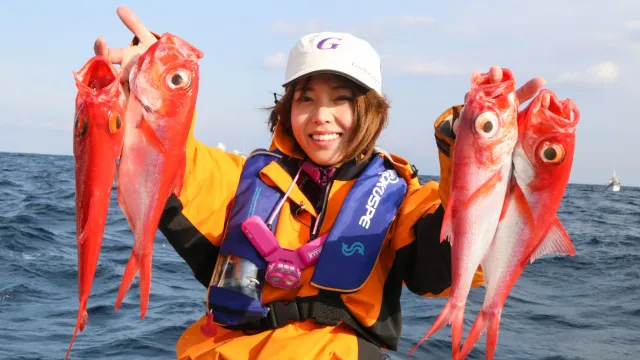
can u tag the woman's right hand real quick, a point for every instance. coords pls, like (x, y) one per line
(126, 57)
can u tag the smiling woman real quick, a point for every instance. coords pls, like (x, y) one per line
(331, 118)
(321, 181)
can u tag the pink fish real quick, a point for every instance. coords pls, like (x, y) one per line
(485, 139)
(164, 87)
(97, 142)
(542, 162)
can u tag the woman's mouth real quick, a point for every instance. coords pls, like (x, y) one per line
(325, 137)
(325, 140)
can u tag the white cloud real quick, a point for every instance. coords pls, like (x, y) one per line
(284, 27)
(604, 73)
(429, 68)
(275, 61)
(634, 46)
(407, 20)
(632, 25)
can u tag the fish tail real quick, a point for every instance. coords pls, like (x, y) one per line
(492, 335)
(145, 284)
(486, 320)
(127, 279)
(450, 311)
(477, 329)
(457, 324)
(81, 322)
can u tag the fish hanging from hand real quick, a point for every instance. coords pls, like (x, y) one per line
(163, 90)
(97, 143)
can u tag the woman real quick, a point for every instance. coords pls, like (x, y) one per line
(321, 188)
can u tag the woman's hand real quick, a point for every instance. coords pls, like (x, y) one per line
(126, 57)
(524, 93)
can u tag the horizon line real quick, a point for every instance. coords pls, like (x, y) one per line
(436, 176)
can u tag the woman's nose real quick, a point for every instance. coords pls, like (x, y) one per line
(322, 114)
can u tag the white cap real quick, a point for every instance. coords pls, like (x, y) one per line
(339, 53)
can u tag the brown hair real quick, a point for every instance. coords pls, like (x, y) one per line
(370, 112)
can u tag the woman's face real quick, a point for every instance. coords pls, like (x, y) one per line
(322, 118)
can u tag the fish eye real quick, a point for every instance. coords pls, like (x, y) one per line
(551, 153)
(486, 124)
(80, 124)
(179, 79)
(114, 122)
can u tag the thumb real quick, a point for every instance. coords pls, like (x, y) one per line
(100, 47)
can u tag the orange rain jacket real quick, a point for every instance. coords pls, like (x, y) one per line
(411, 255)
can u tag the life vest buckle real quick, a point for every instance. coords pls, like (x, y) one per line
(283, 313)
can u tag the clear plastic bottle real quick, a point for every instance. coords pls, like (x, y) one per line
(239, 275)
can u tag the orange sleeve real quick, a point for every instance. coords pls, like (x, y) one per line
(210, 182)
(416, 233)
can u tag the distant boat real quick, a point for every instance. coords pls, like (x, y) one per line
(614, 182)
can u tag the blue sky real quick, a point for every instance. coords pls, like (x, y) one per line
(429, 49)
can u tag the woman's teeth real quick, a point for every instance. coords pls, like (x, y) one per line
(325, 137)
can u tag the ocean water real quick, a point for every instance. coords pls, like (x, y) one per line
(582, 307)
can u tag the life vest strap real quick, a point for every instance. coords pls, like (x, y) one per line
(326, 308)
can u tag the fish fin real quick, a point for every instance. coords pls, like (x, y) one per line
(556, 241)
(150, 135)
(81, 322)
(483, 190)
(505, 204)
(450, 314)
(486, 320)
(127, 279)
(446, 232)
(124, 208)
(522, 204)
(84, 319)
(145, 284)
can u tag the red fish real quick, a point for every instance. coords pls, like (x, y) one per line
(542, 162)
(97, 142)
(160, 109)
(487, 133)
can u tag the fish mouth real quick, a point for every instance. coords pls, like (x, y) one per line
(98, 75)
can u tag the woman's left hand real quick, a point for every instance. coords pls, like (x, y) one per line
(524, 93)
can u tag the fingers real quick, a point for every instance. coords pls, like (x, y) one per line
(115, 56)
(526, 91)
(530, 89)
(133, 23)
(495, 74)
(100, 47)
(546, 101)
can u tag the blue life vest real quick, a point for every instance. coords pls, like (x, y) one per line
(349, 252)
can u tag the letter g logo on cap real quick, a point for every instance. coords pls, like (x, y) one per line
(325, 45)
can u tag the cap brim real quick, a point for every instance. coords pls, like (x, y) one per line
(303, 74)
